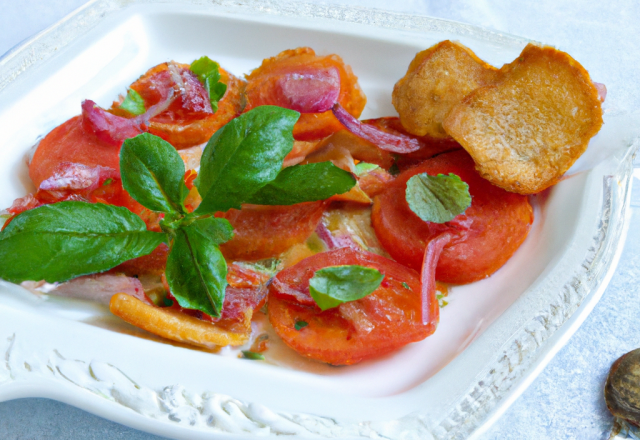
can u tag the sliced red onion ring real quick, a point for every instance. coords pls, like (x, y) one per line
(430, 306)
(112, 129)
(395, 143)
(314, 92)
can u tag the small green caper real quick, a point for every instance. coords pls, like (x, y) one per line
(622, 390)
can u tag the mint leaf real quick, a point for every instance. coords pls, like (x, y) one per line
(196, 270)
(243, 156)
(133, 103)
(68, 239)
(365, 167)
(208, 72)
(304, 183)
(437, 199)
(335, 285)
(153, 173)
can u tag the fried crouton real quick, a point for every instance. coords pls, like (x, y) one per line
(527, 130)
(437, 79)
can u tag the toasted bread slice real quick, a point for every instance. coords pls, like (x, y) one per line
(437, 79)
(525, 131)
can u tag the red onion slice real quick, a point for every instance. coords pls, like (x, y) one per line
(602, 91)
(314, 92)
(395, 143)
(430, 307)
(108, 128)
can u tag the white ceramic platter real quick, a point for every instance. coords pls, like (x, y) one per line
(493, 338)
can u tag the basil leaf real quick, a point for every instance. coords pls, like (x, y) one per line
(365, 167)
(218, 230)
(208, 72)
(196, 270)
(243, 156)
(437, 199)
(335, 285)
(153, 173)
(133, 103)
(68, 239)
(304, 183)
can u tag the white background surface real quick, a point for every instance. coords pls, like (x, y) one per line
(566, 400)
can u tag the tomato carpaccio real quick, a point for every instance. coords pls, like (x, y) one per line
(383, 321)
(483, 239)
(264, 88)
(267, 231)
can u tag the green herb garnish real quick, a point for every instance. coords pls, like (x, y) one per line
(335, 285)
(300, 325)
(133, 103)
(406, 286)
(441, 301)
(69, 239)
(437, 199)
(365, 167)
(208, 72)
(246, 354)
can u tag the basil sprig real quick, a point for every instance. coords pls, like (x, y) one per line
(208, 72)
(437, 199)
(242, 163)
(335, 285)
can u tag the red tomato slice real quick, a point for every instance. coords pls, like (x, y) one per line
(381, 322)
(188, 121)
(265, 87)
(267, 231)
(70, 143)
(483, 239)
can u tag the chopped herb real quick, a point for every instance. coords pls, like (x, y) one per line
(300, 325)
(109, 181)
(208, 72)
(133, 103)
(167, 302)
(441, 301)
(246, 354)
(406, 286)
(364, 167)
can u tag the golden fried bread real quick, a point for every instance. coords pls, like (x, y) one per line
(437, 79)
(527, 130)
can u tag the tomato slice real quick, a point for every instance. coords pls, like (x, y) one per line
(381, 322)
(265, 87)
(267, 231)
(69, 142)
(483, 239)
(188, 121)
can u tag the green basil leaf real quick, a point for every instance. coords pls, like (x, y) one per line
(365, 167)
(437, 199)
(243, 156)
(208, 72)
(196, 270)
(332, 286)
(153, 173)
(133, 103)
(217, 230)
(304, 183)
(68, 239)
